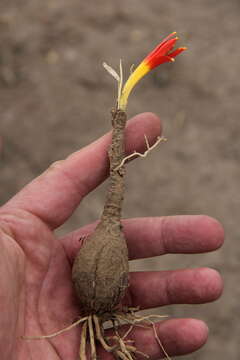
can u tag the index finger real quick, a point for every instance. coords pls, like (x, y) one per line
(54, 195)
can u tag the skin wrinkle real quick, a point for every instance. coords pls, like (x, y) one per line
(5, 229)
(14, 265)
(163, 236)
(44, 325)
(39, 298)
(16, 213)
(38, 310)
(22, 310)
(13, 219)
(168, 290)
(10, 219)
(66, 254)
(167, 236)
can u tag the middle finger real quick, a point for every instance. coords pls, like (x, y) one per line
(157, 288)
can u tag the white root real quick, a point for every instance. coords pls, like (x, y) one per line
(39, 337)
(92, 338)
(82, 350)
(100, 337)
(135, 320)
(142, 155)
(122, 348)
(159, 341)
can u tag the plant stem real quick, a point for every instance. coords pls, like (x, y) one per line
(115, 195)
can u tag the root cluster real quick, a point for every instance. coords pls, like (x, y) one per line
(119, 345)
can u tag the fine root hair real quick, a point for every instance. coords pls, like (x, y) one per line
(120, 345)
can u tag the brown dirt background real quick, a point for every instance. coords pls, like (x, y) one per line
(55, 98)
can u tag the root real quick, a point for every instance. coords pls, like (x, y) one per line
(117, 344)
(82, 350)
(135, 320)
(92, 338)
(100, 337)
(159, 341)
(143, 155)
(40, 337)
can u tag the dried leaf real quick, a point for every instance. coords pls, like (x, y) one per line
(111, 71)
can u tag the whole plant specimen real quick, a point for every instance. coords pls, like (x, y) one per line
(100, 270)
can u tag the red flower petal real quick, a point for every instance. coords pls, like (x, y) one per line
(162, 48)
(177, 52)
(167, 38)
(156, 61)
(156, 56)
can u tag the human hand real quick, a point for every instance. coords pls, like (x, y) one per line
(35, 266)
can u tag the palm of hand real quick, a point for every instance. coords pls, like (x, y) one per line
(44, 290)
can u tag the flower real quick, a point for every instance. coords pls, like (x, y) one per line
(164, 52)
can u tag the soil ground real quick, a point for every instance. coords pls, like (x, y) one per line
(55, 98)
